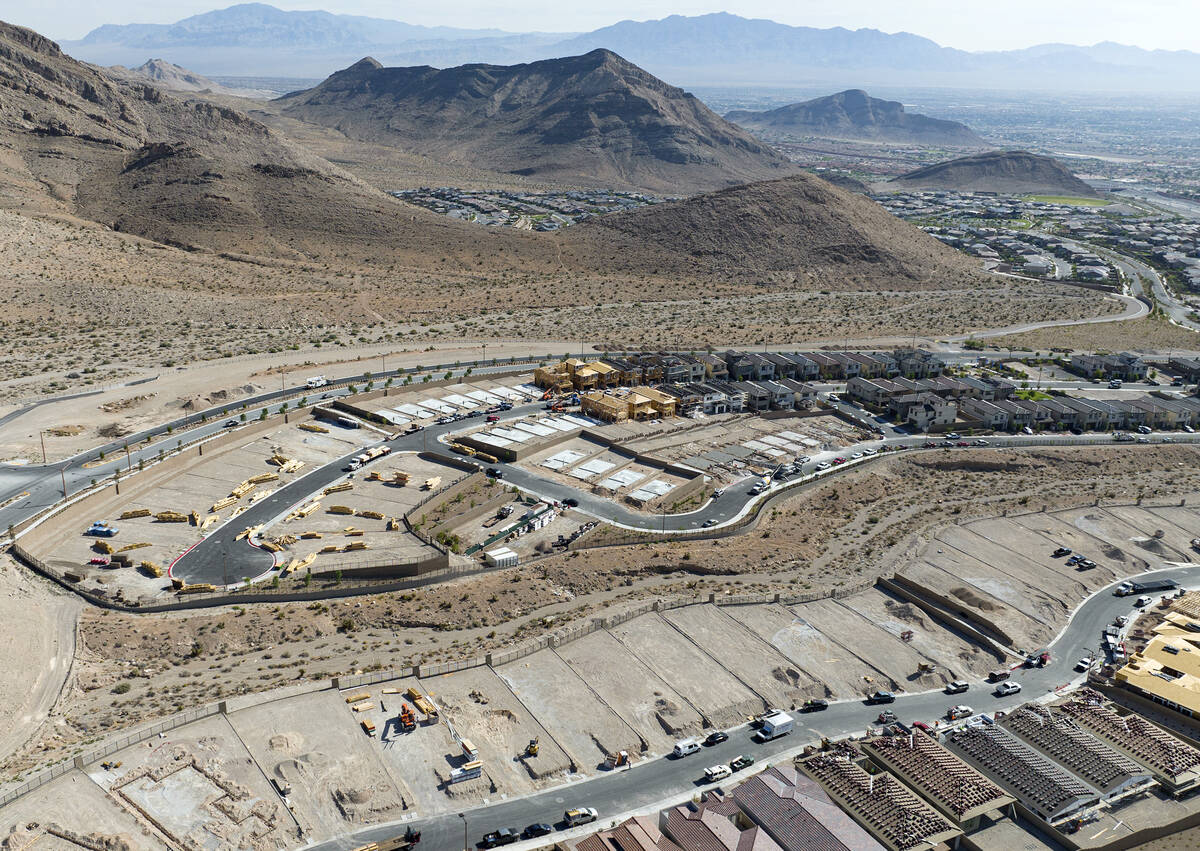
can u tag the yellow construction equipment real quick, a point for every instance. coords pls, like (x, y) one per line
(136, 546)
(358, 697)
(354, 546)
(134, 512)
(242, 489)
(314, 427)
(338, 488)
(223, 503)
(339, 509)
(170, 517)
(311, 535)
(103, 547)
(263, 477)
(617, 760)
(247, 532)
(393, 525)
(151, 569)
(370, 514)
(533, 747)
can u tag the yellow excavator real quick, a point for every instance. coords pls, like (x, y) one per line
(532, 748)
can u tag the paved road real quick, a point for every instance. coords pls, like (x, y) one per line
(658, 779)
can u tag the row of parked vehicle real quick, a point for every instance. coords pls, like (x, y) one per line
(509, 835)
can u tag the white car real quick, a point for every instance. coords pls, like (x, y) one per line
(1083, 664)
(1007, 687)
(1143, 601)
(870, 452)
(824, 465)
(717, 772)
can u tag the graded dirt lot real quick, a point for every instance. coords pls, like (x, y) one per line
(26, 823)
(331, 767)
(177, 777)
(772, 677)
(483, 709)
(569, 707)
(817, 656)
(634, 690)
(717, 694)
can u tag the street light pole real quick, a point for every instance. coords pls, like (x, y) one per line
(42, 438)
(466, 841)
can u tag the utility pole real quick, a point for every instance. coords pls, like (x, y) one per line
(128, 459)
(466, 842)
(63, 475)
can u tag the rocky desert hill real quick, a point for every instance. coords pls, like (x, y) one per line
(789, 229)
(169, 76)
(853, 114)
(1006, 172)
(593, 119)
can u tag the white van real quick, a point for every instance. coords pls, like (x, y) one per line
(685, 747)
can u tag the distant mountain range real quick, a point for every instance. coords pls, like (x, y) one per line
(854, 114)
(1006, 172)
(259, 40)
(171, 77)
(594, 119)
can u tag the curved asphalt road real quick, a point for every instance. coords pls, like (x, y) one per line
(655, 780)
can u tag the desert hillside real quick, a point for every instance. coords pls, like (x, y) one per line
(594, 119)
(1008, 172)
(853, 114)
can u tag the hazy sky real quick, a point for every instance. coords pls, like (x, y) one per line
(1170, 24)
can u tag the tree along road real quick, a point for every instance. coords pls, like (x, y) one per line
(655, 780)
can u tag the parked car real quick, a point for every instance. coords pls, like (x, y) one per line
(718, 492)
(495, 473)
(824, 465)
(881, 697)
(715, 738)
(685, 746)
(539, 828)
(712, 521)
(741, 762)
(230, 424)
(1027, 430)
(953, 436)
(815, 704)
(717, 772)
(981, 442)
(960, 711)
(580, 815)
(1061, 551)
(1143, 601)
(957, 687)
(503, 836)
(1083, 664)
(839, 460)
(1007, 688)
(887, 716)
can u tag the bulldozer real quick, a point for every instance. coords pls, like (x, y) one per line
(408, 719)
(532, 748)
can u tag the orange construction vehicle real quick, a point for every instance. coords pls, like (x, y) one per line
(408, 719)
(549, 392)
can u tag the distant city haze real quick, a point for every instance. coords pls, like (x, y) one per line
(1152, 24)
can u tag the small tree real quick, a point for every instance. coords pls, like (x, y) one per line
(242, 418)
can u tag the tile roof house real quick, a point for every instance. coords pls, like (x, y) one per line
(639, 833)
(798, 814)
(714, 824)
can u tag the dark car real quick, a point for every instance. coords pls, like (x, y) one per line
(571, 502)
(715, 738)
(816, 704)
(741, 762)
(495, 472)
(881, 697)
(503, 836)
(536, 829)
(475, 414)
(1062, 551)
(230, 423)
